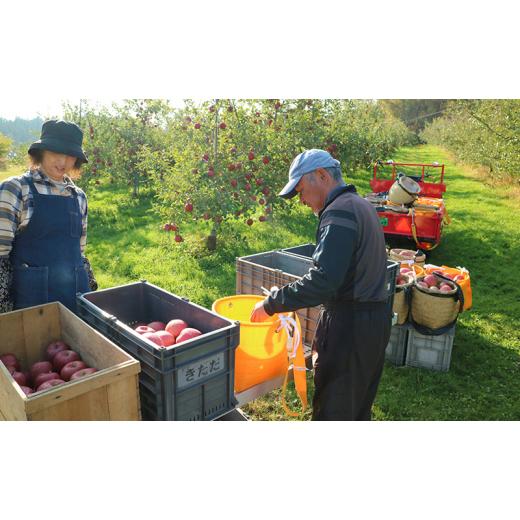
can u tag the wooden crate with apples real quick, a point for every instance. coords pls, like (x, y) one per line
(110, 393)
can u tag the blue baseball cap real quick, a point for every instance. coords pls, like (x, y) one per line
(304, 163)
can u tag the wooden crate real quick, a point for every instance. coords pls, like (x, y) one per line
(110, 394)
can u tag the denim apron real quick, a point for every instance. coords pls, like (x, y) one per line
(46, 255)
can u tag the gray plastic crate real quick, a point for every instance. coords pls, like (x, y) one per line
(432, 352)
(190, 381)
(395, 352)
(277, 268)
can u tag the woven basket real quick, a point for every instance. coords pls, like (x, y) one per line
(401, 306)
(396, 254)
(435, 310)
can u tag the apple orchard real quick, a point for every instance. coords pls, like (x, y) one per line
(214, 163)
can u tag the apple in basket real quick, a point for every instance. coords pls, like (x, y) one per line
(68, 370)
(187, 333)
(430, 280)
(27, 390)
(157, 325)
(166, 338)
(82, 373)
(445, 288)
(50, 384)
(175, 327)
(142, 329)
(40, 367)
(10, 359)
(153, 337)
(404, 270)
(45, 376)
(422, 285)
(55, 347)
(19, 377)
(64, 357)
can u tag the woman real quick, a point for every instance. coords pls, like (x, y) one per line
(43, 224)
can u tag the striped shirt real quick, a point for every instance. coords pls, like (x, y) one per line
(17, 205)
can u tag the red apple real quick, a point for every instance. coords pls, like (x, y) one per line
(178, 238)
(249, 221)
(166, 338)
(222, 126)
(259, 182)
(27, 390)
(40, 367)
(166, 227)
(62, 358)
(82, 373)
(205, 157)
(422, 285)
(247, 187)
(197, 125)
(262, 218)
(69, 369)
(55, 347)
(188, 207)
(143, 328)
(45, 376)
(250, 156)
(266, 191)
(430, 279)
(19, 377)
(153, 337)
(157, 325)
(10, 359)
(234, 183)
(187, 334)
(175, 327)
(211, 173)
(445, 288)
(49, 384)
(404, 270)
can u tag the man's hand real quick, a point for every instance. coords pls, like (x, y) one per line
(258, 313)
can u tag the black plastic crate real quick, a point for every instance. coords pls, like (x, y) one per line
(392, 268)
(190, 381)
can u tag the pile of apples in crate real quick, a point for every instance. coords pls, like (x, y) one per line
(164, 335)
(61, 364)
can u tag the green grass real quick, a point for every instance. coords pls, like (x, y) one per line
(127, 244)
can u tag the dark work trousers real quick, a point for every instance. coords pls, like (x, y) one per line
(350, 345)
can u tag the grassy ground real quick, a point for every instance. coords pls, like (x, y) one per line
(127, 244)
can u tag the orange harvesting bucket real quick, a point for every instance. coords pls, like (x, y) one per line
(262, 352)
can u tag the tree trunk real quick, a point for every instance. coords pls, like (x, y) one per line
(211, 240)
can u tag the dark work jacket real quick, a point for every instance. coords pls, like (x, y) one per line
(349, 259)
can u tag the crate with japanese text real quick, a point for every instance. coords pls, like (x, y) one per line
(192, 380)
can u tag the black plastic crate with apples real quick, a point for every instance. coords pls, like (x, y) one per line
(192, 380)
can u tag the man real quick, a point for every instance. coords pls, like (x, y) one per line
(348, 279)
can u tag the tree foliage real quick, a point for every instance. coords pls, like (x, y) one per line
(485, 132)
(5, 146)
(415, 113)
